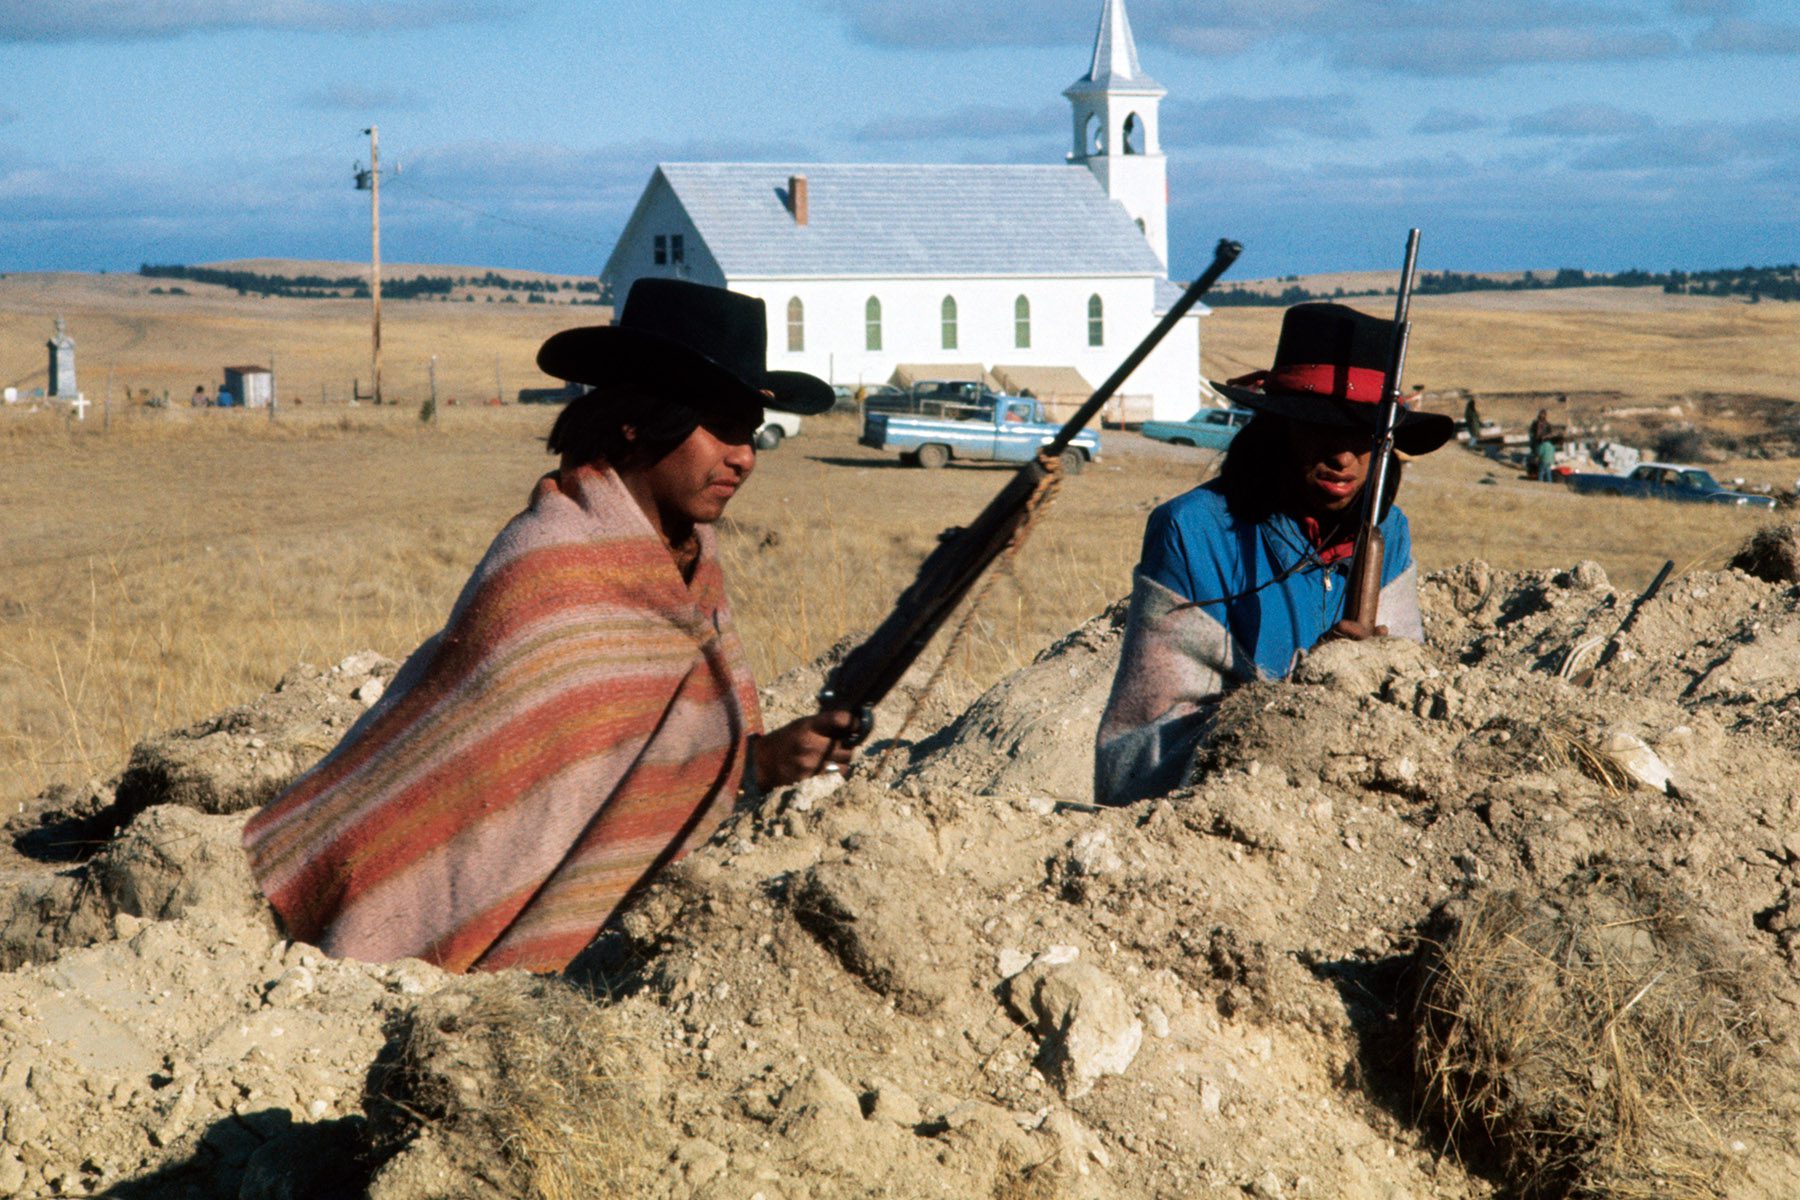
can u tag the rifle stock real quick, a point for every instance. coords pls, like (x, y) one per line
(870, 671)
(1363, 603)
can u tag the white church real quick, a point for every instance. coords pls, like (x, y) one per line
(1028, 275)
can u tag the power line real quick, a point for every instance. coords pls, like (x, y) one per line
(397, 178)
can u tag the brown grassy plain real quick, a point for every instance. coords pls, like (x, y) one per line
(179, 561)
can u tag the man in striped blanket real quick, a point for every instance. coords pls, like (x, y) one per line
(585, 716)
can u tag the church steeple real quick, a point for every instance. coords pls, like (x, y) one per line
(1116, 127)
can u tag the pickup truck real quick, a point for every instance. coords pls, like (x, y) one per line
(936, 398)
(1210, 427)
(1012, 434)
(1665, 481)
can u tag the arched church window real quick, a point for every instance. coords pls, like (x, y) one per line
(1093, 135)
(872, 324)
(1096, 321)
(1133, 135)
(796, 322)
(1022, 323)
(947, 319)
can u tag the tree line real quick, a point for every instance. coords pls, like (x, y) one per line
(1758, 283)
(321, 287)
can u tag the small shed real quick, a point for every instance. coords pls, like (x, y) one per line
(907, 374)
(251, 387)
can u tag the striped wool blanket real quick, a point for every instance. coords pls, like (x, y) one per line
(579, 722)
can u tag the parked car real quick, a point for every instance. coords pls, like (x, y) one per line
(1666, 481)
(1210, 427)
(552, 395)
(1013, 432)
(776, 426)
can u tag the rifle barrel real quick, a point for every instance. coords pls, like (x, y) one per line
(1382, 465)
(870, 670)
(1224, 254)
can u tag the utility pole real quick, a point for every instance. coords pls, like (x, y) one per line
(434, 404)
(370, 181)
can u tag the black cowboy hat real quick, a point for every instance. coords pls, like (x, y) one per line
(704, 347)
(1330, 368)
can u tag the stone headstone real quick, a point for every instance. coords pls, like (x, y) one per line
(62, 362)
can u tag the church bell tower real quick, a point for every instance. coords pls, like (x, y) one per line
(1117, 130)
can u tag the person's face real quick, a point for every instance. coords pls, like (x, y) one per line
(1331, 465)
(692, 484)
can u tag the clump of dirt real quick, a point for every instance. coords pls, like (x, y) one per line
(1773, 554)
(1605, 1041)
(953, 975)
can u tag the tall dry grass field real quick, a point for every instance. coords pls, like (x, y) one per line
(179, 561)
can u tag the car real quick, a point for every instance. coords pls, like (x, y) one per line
(552, 395)
(1212, 428)
(777, 426)
(1666, 481)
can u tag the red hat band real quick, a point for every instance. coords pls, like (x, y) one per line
(1360, 384)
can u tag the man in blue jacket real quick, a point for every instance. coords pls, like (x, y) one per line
(1244, 574)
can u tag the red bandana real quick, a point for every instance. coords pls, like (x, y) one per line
(1328, 554)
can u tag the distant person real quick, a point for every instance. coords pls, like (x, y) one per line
(1472, 421)
(198, 399)
(1539, 431)
(1244, 574)
(1545, 461)
(586, 716)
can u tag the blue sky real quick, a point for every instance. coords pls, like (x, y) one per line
(1601, 134)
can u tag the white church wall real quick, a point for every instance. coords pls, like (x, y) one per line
(660, 214)
(911, 326)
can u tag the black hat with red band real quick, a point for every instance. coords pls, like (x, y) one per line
(1330, 368)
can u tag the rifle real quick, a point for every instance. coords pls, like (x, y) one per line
(870, 671)
(1364, 601)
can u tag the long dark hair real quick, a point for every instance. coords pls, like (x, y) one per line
(1257, 476)
(591, 428)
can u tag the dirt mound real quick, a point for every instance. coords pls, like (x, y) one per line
(1773, 554)
(950, 977)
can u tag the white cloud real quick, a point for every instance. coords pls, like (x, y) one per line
(968, 123)
(361, 98)
(154, 20)
(1261, 120)
(1750, 37)
(1451, 120)
(1580, 120)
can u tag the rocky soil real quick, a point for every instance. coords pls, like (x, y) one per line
(948, 975)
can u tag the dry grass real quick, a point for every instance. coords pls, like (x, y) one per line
(179, 561)
(522, 1084)
(1596, 1038)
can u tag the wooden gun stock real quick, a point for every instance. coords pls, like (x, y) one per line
(1363, 604)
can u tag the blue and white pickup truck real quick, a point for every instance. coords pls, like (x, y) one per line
(1666, 481)
(1012, 433)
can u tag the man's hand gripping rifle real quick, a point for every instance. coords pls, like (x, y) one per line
(870, 670)
(1364, 602)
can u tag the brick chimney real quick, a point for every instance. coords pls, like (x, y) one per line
(797, 198)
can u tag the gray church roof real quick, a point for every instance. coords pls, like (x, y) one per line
(867, 219)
